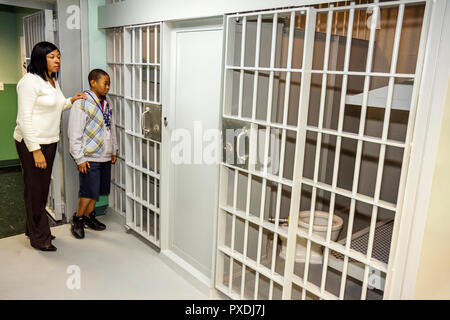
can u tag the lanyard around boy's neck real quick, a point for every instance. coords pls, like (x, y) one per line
(105, 117)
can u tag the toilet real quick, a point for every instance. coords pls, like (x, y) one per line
(319, 228)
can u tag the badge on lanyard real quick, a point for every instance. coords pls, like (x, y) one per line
(105, 112)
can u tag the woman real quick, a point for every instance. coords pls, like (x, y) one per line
(40, 103)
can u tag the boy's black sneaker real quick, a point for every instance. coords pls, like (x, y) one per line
(77, 227)
(91, 222)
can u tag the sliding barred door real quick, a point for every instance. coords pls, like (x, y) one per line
(318, 112)
(136, 94)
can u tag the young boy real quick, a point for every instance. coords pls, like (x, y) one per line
(93, 145)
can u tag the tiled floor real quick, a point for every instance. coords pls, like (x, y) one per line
(113, 264)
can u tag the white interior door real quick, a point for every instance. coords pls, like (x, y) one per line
(194, 129)
(38, 27)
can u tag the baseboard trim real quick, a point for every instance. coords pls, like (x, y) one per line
(9, 163)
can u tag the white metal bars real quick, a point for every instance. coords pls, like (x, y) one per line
(239, 77)
(250, 67)
(142, 84)
(298, 162)
(362, 257)
(33, 31)
(115, 65)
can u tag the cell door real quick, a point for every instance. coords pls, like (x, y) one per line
(134, 65)
(38, 27)
(318, 111)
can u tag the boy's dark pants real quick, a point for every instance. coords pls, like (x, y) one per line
(37, 183)
(96, 181)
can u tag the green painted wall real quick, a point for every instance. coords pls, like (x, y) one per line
(97, 37)
(10, 52)
(9, 75)
(8, 114)
(97, 59)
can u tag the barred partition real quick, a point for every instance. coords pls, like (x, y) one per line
(328, 99)
(34, 31)
(116, 96)
(136, 76)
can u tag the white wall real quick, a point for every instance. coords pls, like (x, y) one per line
(433, 276)
(432, 258)
(144, 11)
(419, 189)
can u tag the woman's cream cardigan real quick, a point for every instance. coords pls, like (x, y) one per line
(39, 111)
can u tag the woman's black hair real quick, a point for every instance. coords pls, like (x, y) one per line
(38, 62)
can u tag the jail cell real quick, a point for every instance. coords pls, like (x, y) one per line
(313, 176)
(135, 84)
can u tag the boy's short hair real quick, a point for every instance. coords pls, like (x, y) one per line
(95, 74)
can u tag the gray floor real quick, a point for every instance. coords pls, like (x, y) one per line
(113, 265)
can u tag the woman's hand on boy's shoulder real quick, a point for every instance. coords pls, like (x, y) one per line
(78, 95)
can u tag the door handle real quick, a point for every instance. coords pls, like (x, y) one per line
(146, 131)
(245, 156)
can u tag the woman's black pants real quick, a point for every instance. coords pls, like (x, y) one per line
(37, 184)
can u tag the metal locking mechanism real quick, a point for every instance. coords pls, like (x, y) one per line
(151, 121)
(236, 140)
